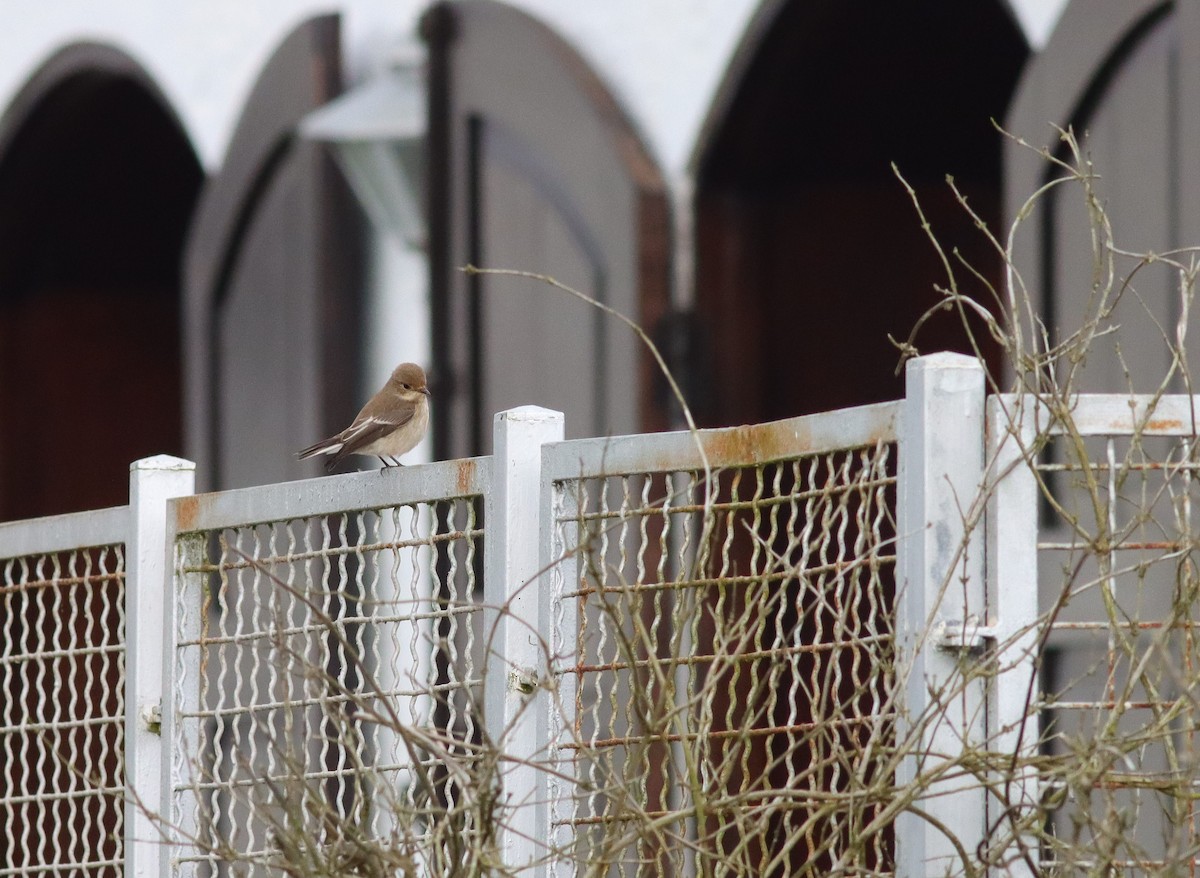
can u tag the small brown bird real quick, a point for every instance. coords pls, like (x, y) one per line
(391, 423)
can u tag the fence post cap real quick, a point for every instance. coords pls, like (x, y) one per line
(943, 360)
(529, 413)
(162, 462)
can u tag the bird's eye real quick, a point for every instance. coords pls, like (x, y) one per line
(406, 386)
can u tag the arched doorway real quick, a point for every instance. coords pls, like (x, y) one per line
(809, 252)
(809, 255)
(560, 185)
(97, 183)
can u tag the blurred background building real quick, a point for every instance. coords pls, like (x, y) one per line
(223, 223)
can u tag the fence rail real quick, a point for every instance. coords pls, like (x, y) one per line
(812, 646)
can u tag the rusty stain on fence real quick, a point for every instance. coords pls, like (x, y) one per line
(186, 510)
(1163, 425)
(466, 475)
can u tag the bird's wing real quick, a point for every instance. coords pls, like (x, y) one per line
(374, 422)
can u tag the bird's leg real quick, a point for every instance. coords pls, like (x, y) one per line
(388, 462)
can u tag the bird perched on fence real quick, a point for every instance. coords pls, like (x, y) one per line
(391, 423)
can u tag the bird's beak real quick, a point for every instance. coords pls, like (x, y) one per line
(425, 390)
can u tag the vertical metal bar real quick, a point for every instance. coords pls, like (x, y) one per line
(941, 599)
(1012, 532)
(513, 697)
(186, 607)
(560, 621)
(152, 481)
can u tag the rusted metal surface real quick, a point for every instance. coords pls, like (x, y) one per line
(331, 495)
(728, 447)
(187, 509)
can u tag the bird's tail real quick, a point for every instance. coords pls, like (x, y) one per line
(325, 446)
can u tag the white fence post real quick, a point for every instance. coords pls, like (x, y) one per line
(516, 659)
(152, 481)
(941, 612)
(1012, 536)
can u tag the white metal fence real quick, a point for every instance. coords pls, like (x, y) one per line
(1113, 542)
(721, 614)
(809, 645)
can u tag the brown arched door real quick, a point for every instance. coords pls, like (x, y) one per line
(97, 184)
(809, 255)
(809, 251)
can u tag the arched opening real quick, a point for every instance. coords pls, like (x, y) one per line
(809, 250)
(97, 185)
(810, 254)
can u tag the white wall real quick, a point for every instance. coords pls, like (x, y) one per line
(663, 58)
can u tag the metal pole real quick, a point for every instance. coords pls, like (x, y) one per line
(516, 660)
(941, 613)
(1012, 536)
(152, 481)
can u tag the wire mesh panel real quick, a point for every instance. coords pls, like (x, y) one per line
(326, 686)
(62, 712)
(725, 645)
(1121, 657)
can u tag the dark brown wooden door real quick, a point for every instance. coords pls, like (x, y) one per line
(809, 254)
(97, 182)
(272, 282)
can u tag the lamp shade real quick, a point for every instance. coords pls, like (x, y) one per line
(377, 134)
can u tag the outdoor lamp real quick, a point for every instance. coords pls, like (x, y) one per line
(377, 132)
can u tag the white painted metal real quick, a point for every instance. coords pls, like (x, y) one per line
(152, 481)
(514, 699)
(601, 495)
(181, 692)
(731, 446)
(1123, 414)
(1012, 585)
(62, 533)
(62, 695)
(559, 624)
(940, 573)
(330, 495)
(354, 572)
